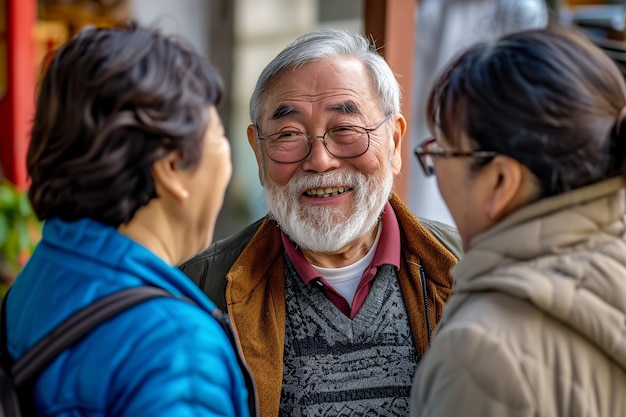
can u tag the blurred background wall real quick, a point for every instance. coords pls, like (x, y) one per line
(240, 37)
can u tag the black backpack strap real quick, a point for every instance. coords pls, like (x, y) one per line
(76, 327)
(10, 405)
(26, 370)
(5, 357)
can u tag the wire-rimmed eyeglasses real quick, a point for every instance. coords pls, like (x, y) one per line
(343, 141)
(429, 149)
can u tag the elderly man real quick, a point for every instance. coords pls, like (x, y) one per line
(335, 294)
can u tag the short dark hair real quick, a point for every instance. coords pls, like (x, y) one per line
(111, 103)
(548, 98)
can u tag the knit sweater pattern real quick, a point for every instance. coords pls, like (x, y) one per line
(334, 366)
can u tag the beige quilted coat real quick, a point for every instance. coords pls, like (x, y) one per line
(537, 323)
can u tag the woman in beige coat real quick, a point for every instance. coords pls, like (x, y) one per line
(529, 153)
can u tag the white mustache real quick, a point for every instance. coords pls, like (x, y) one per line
(303, 182)
(329, 228)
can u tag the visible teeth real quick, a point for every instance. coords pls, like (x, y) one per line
(327, 192)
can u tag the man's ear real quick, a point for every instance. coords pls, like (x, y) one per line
(169, 178)
(398, 130)
(254, 143)
(508, 187)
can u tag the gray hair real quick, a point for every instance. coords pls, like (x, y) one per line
(330, 43)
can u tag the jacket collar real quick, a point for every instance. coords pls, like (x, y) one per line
(548, 226)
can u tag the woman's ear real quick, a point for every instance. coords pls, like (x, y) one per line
(169, 178)
(509, 189)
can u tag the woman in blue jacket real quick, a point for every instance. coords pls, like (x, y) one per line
(129, 165)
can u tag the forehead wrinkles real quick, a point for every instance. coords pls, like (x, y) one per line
(284, 104)
(326, 84)
(326, 93)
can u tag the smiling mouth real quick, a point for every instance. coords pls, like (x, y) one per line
(327, 192)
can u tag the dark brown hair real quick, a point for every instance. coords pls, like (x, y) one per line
(111, 103)
(548, 98)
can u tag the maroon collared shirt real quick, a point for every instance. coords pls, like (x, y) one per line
(387, 253)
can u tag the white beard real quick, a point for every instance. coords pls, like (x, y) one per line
(324, 228)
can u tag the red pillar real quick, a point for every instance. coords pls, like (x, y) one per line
(17, 85)
(392, 24)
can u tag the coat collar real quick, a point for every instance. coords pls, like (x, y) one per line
(547, 226)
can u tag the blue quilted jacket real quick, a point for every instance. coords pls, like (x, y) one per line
(164, 357)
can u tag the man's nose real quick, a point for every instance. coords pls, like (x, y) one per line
(320, 159)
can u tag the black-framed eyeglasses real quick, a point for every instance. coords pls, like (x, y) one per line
(429, 149)
(343, 141)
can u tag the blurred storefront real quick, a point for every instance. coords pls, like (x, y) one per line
(238, 36)
(444, 27)
(29, 31)
(241, 36)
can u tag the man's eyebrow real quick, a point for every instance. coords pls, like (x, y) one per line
(347, 107)
(283, 111)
